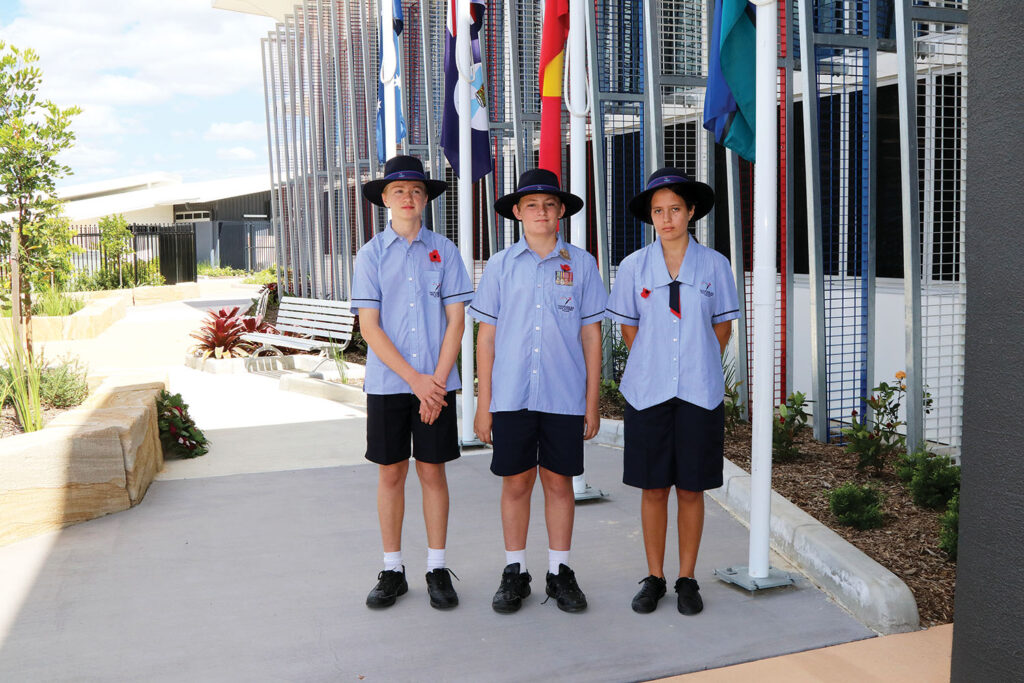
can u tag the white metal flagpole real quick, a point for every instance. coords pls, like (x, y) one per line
(463, 94)
(388, 71)
(765, 200)
(578, 105)
(758, 574)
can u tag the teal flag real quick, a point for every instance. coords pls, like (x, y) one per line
(729, 100)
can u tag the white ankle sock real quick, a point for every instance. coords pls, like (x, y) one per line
(513, 556)
(393, 561)
(435, 559)
(555, 558)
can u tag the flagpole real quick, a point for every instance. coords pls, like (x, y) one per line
(463, 91)
(388, 69)
(765, 200)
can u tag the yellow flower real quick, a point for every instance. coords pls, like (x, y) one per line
(900, 374)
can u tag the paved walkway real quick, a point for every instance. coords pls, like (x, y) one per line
(252, 563)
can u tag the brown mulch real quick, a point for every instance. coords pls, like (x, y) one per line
(9, 425)
(907, 544)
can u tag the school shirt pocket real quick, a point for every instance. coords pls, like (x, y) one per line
(565, 300)
(430, 283)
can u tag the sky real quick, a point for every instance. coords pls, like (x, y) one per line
(164, 85)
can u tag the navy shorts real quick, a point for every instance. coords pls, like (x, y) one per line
(524, 439)
(394, 431)
(674, 443)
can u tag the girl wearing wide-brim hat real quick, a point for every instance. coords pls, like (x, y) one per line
(675, 300)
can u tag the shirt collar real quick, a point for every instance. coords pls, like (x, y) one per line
(389, 235)
(521, 247)
(687, 271)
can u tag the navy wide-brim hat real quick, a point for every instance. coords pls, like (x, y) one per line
(537, 181)
(402, 168)
(697, 194)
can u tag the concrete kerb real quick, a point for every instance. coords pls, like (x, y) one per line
(871, 593)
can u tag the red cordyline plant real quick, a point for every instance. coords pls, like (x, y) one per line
(221, 335)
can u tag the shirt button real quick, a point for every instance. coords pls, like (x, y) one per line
(536, 350)
(672, 340)
(538, 305)
(537, 328)
(414, 329)
(535, 372)
(414, 355)
(538, 285)
(410, 279)
(411, 305)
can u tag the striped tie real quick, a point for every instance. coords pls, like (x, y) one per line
(673, 298)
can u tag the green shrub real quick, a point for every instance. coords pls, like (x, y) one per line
(64, 385)
(610, 392)
(205, 269)
(262, 277)
(141, 274)
(931, 479)
(875, 441)
(949, 527)
(55, 303)
(733, 406)
(792, 418)
(179, 434)
(856, 506)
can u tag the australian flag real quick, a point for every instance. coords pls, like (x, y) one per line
(729, 100)
(390, 69)
(481, 146)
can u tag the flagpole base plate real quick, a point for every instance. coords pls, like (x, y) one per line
(740, 576)
(472, 443)
(588, 492)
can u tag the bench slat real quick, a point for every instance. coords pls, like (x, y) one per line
(314, 326)
(315, 303)
(337, 335)
(281, 340)
(316, 310)
(336, 319)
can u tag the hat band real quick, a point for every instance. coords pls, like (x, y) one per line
(550, 189)
(667, 180)
(405, 175)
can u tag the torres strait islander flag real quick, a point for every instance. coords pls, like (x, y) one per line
(480, 140)
(552, 58)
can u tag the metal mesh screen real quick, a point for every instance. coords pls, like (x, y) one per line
(841, 84)
(942, 146)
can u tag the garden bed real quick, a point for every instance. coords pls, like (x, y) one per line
(908, 542)
(9, 425)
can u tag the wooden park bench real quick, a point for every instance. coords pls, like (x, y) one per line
(322, 323)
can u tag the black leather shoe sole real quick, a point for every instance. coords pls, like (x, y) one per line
(443, 601)
(506, 606)
(381, 602)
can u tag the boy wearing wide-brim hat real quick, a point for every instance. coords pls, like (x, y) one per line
(409, 287)
(675, 301)
(540, 304)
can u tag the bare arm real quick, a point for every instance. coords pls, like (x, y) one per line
(723, 331)
(456, 317)
(629, 334)
(484, 366)
(591, 337)
(424, 386)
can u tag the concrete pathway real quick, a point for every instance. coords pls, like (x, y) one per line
(252, 563)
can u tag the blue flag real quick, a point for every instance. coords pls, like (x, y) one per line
(479, 122)
(392, 69)
(729, 100)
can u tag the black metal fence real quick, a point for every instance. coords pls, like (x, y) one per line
(169, 249)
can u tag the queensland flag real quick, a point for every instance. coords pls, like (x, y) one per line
(390, 68)
(729, 101)
(480, 135)
(552, 59)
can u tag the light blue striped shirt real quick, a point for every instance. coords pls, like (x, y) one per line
(674, 357)
(539, 307)
(410, 283)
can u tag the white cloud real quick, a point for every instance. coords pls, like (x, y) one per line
(236, 154)
(243, 130)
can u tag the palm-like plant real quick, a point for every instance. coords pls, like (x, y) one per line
(257, 324)
(221, 335)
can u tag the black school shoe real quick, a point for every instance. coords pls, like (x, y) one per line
(652, 589)
(566, 592)
(439, 588)
(390, 584)
(515, 586)
(689, 601)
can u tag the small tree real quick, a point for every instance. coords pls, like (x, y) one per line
(33, 132)
(115, 243)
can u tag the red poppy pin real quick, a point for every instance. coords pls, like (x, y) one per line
(566, 268)
(435, 257)
(645, 293)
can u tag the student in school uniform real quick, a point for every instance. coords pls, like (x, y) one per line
(409, 287)
(540, 304)
(675, 300)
